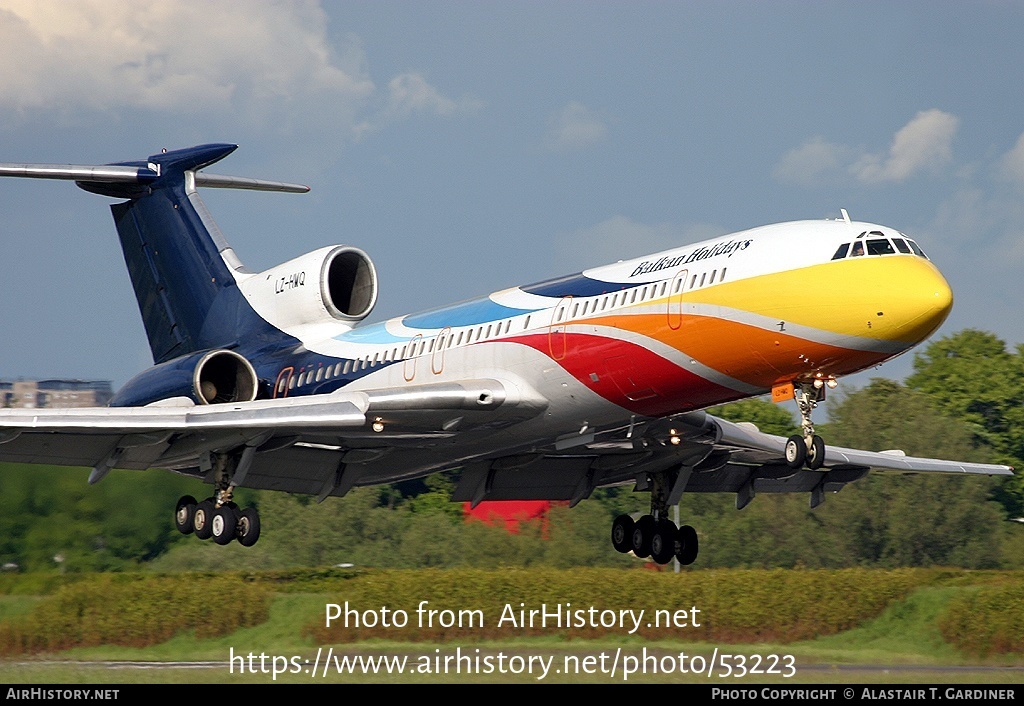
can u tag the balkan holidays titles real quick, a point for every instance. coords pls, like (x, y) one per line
(727, 248)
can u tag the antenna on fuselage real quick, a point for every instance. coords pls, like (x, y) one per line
(846, 216)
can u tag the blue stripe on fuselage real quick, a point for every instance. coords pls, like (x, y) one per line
(478, 311)
(576, 286)
(373, 333)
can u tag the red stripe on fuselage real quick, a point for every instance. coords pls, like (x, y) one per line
(630, 375)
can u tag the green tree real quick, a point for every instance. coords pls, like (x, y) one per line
(971, 376)
(768, 417)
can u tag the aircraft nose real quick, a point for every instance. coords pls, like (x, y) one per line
(924, 303)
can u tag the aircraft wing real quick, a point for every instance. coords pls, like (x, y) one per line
(305, 434)
(711, 455)
(748, 444)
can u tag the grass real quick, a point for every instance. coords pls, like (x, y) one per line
(902, 645)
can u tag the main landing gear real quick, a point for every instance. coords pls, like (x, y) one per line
(808, 448)
(655, 535)
(222, 524)
(218, 517)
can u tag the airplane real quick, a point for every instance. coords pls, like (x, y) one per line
(545, 391)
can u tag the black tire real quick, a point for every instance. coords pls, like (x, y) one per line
(688, 546)
(796, 451)
(183, 513)
(202, 519)
(248, 527)
(223, 524)
(663, 542)
(642, 531)
(816, 453)
(622, 534)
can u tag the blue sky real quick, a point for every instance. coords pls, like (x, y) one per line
(469, 147)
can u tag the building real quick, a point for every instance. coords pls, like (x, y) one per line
(55, 393)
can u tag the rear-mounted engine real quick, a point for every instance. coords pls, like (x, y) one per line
(207, 377)
(332, 284)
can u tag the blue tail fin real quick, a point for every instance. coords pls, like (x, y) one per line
(186, 293)
(180, 266)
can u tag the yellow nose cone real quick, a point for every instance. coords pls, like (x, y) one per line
(913, 298)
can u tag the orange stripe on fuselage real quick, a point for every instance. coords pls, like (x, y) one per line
(745, 352)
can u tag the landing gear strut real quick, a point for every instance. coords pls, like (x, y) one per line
(218, 517)
(807, 448)
(655, 535)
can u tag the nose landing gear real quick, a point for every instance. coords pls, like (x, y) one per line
(808, 448)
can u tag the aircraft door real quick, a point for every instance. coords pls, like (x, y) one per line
(675, 300)
(284, 379)
(437, 357)
(411, 357)
(556, 331)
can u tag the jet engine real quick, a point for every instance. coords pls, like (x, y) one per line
(207, 377)
(333, 284)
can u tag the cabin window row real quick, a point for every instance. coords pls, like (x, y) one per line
(482, 332)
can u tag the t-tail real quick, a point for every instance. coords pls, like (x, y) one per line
(218, 333)
(184, 273)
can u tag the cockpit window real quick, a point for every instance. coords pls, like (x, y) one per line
(880, 247)
(901, 245)
(916, 249)
(872, 244)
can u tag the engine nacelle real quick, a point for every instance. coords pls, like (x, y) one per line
(207, 377)
(333, 284)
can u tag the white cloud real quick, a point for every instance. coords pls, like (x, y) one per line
(1012, 163)
(811, 161)
(621, 238)
(409, 94)
(175, 55)
(925, 142)
(261, 67)
(574, 127)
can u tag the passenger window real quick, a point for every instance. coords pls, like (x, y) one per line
(841, 252)
(722, 278)
(319, 374)
(345, 369)
(713, 273)
(703, 275)
(693, 281)
(337, 370)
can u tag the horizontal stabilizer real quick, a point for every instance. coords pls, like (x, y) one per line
(131, 174)
(220, 181)
(104, 173)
